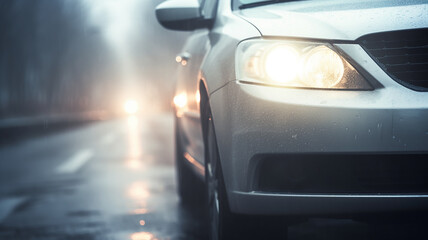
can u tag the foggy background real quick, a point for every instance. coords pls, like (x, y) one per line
(76, 56)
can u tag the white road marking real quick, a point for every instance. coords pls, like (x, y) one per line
(76, 161)
(107, 139)
(7, 205)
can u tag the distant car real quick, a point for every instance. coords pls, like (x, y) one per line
(301, 108)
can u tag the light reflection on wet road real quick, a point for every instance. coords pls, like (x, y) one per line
(124, 190)
(119, 183)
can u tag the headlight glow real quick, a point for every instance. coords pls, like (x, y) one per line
(322, 68)
(296, 64)
(281, 63)
(180, 100)
(131, 106)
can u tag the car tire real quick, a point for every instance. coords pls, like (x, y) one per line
(190, 187)
(223, 224)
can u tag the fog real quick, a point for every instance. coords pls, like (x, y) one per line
(85, 55)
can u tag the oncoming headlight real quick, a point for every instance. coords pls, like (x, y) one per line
(296, 64)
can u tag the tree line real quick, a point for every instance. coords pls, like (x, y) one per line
(52, 60)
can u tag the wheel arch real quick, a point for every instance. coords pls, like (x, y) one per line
(204, 107)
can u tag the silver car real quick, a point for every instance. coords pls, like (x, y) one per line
(300, 108)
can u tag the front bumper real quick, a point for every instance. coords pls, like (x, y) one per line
(324, 205)
(253, 120)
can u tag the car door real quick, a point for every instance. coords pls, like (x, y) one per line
(190, 60)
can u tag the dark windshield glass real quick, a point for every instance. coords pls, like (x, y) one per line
(239, 4)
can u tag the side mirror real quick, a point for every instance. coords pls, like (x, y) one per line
(184, 15)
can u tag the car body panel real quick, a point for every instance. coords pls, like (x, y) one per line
(188, 74)
(265, 119)
(336, 19)
(251, 119)
(210, 53)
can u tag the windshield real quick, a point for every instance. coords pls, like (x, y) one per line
(239, 4)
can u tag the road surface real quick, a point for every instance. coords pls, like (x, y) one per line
(115, 180)
(109, 180)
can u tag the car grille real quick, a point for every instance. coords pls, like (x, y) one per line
(342, 174)
(403, 55)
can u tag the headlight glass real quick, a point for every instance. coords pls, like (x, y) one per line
(296, 64)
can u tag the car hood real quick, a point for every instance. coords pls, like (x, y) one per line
(338, 20)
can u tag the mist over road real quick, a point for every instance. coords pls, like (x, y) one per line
(84, 55)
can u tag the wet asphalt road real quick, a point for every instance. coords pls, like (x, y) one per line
(108, 180)
(115, 180)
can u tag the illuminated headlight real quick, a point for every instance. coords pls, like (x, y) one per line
(131, 106)
(296, 64)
